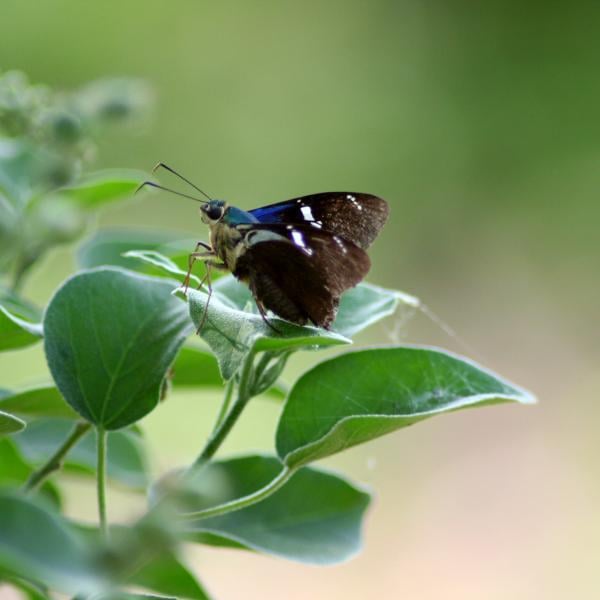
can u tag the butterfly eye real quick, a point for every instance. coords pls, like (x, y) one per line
(212, 210)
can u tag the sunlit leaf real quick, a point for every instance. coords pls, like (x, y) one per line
(111, 336)
(361, 395)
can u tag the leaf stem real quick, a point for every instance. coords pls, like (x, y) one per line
(245, 501)
(225, 424)
(226, 403)
(54, 463)
(101, 437)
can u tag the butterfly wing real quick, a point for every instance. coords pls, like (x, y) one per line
(354, 216)
(299, 272)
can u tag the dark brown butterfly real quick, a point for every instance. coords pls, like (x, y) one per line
(296, 256)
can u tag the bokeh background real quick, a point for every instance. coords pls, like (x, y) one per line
(480, 123)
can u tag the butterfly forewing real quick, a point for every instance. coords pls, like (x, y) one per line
(299, 271)
(351, 215)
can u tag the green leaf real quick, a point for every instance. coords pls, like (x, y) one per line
(195, 367)
(43, 401)
(111, 336)
(232, 334)
(361, 395)
(14, 472)
(95, 189)
(359, 307)
(17, 332)
(107, 247)
(366, 304)
(10, 424)
(126, 457)
(37, 544)
(161, 265)
(315, 517)
(167, 575)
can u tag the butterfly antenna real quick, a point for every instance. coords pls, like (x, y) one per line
(166, 167)
(160, 187)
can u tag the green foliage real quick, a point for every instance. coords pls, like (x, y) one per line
(353, 398)
(36, 544)
(126, 457)
(16, 331)
(10, 423)
(316, 517)
(110, 337)
(121, 334)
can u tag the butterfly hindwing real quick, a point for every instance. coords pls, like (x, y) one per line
(299, 271)
(351, 215)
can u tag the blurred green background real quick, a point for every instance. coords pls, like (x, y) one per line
(480, 125)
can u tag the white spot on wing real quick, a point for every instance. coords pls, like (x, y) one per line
(352, 199)
(341, 244)
(298, 239)
(307, 213)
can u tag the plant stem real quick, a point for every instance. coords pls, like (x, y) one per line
(54, 463)
(239, 503)
(226, 403)
(225, 424)
(101, 437)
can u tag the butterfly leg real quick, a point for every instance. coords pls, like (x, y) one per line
(209, 265)
(193, 257)
(263, 314)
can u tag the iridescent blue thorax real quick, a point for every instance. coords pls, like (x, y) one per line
(236, 216)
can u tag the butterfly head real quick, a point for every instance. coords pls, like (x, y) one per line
(212, 212)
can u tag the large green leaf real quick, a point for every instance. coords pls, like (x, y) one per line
(38, 545)
(10, 424)
(42, 401)
(95, 189)
(111, 336)
(126, 457)
(361, 395)
(16, 331)
(108, 247)
(315, 517)
(232, 334)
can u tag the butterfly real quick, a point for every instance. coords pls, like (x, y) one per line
(296, 256)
